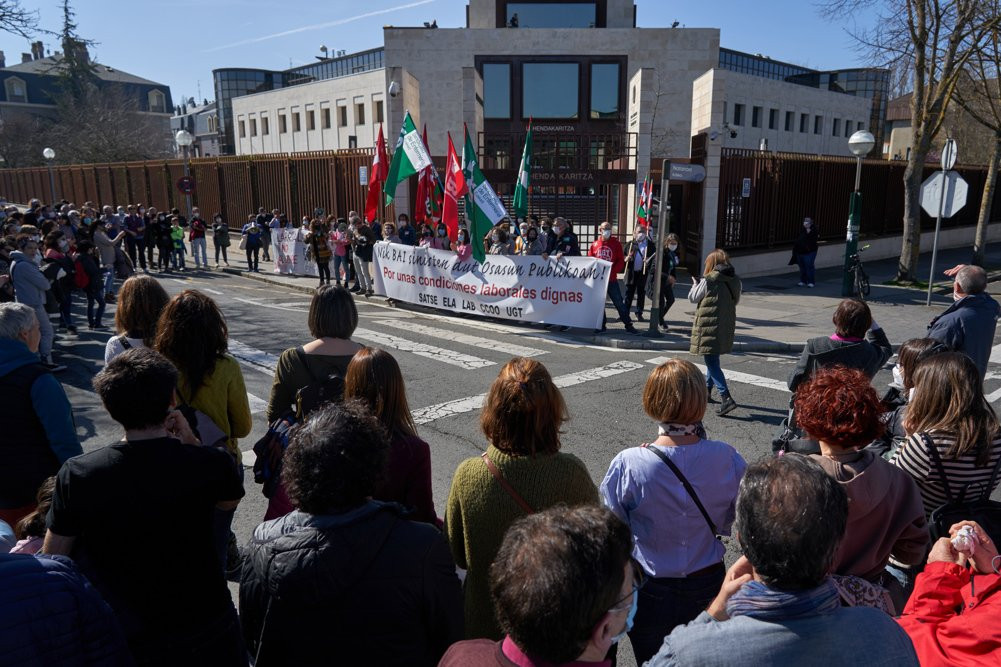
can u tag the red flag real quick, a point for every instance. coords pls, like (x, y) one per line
(376, 178)
(455, 187)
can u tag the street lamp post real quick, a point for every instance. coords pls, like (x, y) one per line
(49, 156)
(859, 144)
(184, 140)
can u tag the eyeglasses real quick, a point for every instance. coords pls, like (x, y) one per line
(639, 581)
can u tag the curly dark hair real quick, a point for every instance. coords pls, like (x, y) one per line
(336, 458)
(33, 524)
(192, 333)
(839, 406)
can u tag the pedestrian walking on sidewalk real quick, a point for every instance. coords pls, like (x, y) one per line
(220, 238)
(716, 294)
(804, 253)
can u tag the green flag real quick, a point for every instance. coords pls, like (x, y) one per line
(484, 208)
(409, 157)
(520, 203)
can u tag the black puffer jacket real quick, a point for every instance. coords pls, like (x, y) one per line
(868, 355)
(366, 587)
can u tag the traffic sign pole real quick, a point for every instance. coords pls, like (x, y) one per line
(949, 156)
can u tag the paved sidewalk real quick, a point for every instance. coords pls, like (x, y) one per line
(774, 314)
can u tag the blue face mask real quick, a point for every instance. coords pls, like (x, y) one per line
(629, 618)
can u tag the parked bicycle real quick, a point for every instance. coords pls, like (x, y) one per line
(860, 279)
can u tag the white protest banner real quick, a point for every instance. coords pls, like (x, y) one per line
(289, 252)
(568, 292)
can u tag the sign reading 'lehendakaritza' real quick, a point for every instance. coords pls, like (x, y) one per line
(569, 292)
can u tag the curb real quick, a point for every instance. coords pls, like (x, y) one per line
(631, 343)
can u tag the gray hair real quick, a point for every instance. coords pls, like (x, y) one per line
(15, 319)
(971, 279)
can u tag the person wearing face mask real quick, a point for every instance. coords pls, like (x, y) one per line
(363, 244)
(220, 238)
(30, 286)
(135, 239)
(59, 268)
(427, 237)
(389, 233)
(529, 244)
(608, 248)
(441, 240)
(408, 234)
(463, 249)
(564, 591)
(562, 241)
(804, 253)
(668, 275)
(340, 241)
(496, 242)
(637, 253)
(196, 236)
(522, 236)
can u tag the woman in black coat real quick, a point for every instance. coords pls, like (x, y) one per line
(804, 253)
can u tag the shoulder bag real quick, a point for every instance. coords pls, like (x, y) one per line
(688, 487)
(492, 467)
(983, 510)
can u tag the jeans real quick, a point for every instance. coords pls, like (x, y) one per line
(341, 261)
(615, 294)
(177, 258)
(94, 318)
(198, 246)
(806, 271)
(361, 270)
(665, 603)
(715, 373)
(253, 257)
(637, 287)
(324, 270)
(136, 247)
(223, 249)
(109, 279)
(48, 335)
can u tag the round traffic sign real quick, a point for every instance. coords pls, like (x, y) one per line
(186, 184)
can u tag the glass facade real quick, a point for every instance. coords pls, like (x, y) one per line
(604, 90)
(758, 65)
(550, 90)
(552, 14)
(236, 82)
(496, 90)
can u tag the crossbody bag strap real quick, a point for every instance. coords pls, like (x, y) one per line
(937, 460)
(994, 480)
(505, 485)
(688, 487)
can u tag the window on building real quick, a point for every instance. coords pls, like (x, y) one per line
(773, 119)
(552, 15)
(804, 123)
(213, 123)
(282, 124)
(790, 119)
(310, 120)
(253, 127)
(755, 116)
(818, 124)
(342, 116)
(265, 125)
(157, 101)
(296, 126)
(352, 141)
(859, 126)
(836, 128)
(604, 90)
(378, 111)
(325, 118)
(360, 113)
(243, 129)
(496, 90)
(738, 114)
(16, 90)
(550, 90)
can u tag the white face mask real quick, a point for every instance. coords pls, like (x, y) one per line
(495, 238)
(672, 247)
(641, 237)
(64, 245)
(956, 297)
(807, 225)
(898, 375)
(606, 233)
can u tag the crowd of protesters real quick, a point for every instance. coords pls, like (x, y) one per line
(121, 555)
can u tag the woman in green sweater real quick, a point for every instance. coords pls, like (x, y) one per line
(521, 472)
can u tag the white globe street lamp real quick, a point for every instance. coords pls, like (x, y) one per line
(184, 139)
(859, 144)
(49, 156)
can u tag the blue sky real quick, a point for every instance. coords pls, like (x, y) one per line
(180, 42)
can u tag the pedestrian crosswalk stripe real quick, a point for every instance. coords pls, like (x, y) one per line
(259, 360)
(465, 339)
(996, 354)
(470, 403)
(736, 376)
(422, 350)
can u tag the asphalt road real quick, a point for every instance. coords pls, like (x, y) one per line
(447, 363)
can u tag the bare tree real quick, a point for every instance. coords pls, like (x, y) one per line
(22, 138)
(17, 20)
(979, 95)
(939, 38)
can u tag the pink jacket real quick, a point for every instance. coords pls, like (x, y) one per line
(341, 243)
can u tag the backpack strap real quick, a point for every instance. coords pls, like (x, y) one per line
(937, 460)
(492, 467)
(688, 487)
(126, 345)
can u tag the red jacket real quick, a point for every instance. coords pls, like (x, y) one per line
(949, 625)
(610, 251)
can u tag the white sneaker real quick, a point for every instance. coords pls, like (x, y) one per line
(809, 285)
(801, 284)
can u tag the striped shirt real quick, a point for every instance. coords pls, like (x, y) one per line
(961, 473)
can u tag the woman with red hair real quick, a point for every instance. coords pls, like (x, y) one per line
(838, 407)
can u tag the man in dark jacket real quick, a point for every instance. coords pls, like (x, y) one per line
(346, 579)
(638, 252)
(562, 241)
(51, 615)
(39, 434)
(968, 324)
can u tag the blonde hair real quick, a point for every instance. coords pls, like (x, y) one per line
(675, 392)
(714, 259)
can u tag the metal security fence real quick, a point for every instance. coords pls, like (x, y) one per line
(764, 196)
(234, 186)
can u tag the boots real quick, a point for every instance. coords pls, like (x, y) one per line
(727, 404)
